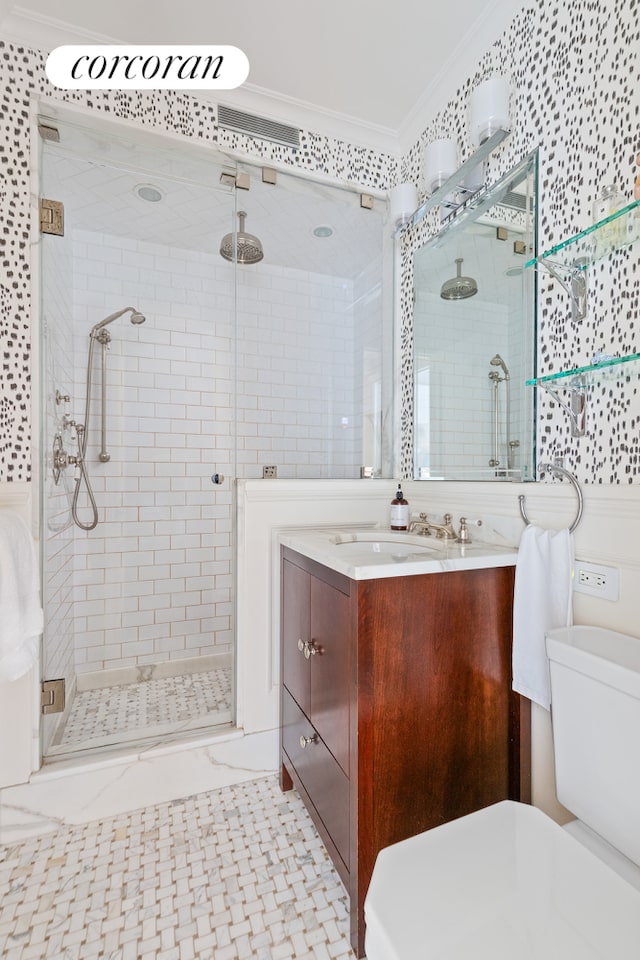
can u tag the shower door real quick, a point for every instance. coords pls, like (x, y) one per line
(277, 366)
(139, 607)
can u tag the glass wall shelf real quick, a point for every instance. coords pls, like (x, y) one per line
(591, 374)
(568, 261)
(578, 379)
(596, 242)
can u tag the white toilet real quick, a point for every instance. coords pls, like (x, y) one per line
(507, 881)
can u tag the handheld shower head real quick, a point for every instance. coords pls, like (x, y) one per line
(136, 317)
(497, 361)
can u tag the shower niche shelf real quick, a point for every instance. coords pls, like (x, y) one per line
(578, 379)
(570, 260)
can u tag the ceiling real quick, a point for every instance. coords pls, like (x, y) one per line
(96, 177)
(376, 68)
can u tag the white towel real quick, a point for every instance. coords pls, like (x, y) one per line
(21, 617)
(542, 600)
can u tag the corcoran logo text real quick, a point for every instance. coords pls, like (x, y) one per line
(77, 67)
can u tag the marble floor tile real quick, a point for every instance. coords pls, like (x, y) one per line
(118, 710)
(226, 875)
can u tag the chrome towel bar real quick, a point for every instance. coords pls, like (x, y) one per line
(559, 471)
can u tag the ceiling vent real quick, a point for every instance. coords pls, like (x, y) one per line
(517, 201)
(255, 126)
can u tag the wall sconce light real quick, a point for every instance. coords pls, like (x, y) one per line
(440, 162)
(488, 109)
(454, 187)
(403, 200)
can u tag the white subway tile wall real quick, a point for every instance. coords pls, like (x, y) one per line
(460, 391)
(154, 580)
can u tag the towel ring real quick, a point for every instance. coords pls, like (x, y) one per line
(553, 468)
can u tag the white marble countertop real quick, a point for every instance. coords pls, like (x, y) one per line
(375, 552)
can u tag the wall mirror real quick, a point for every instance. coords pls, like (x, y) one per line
(474, 338)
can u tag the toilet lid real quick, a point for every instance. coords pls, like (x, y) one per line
(501, 883)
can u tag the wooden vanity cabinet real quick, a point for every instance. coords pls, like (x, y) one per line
(397, 712)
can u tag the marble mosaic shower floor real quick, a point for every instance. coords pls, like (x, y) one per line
(227, 875)
(122, 712)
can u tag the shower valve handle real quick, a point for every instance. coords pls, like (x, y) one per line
(217, 478)
(62, 460)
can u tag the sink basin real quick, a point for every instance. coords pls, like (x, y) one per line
(389, 539)
(377, 547)
(395, 549)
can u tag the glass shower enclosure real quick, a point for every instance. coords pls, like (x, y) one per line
(203, 370)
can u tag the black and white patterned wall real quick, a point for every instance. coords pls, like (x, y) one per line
(574, 71)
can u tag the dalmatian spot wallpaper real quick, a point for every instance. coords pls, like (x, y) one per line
(573, 71)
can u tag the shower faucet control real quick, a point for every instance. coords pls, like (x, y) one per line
(61, 459)
(217, 478)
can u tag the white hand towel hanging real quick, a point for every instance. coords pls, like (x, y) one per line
(21, 617)
(542, 601)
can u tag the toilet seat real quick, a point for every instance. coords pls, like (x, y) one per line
(501, 883)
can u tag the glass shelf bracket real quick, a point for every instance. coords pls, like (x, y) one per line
(577, 380)
(569, 261)
(576, 407)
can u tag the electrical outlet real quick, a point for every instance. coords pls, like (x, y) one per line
(596, 580)
(270, 472)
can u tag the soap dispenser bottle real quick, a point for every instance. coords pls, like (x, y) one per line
(399, 511)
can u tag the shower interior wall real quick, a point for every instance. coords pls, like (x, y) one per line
(459, 392)
(231, 371)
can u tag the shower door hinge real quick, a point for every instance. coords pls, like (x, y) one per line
(52, 217)
(52, 696)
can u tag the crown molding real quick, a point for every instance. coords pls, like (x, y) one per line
(45, 33)
(480, 36)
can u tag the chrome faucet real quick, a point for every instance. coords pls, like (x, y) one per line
(444, 531)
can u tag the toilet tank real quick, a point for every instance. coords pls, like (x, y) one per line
(595, 714)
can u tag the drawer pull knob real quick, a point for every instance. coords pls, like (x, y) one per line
(309, 648)
(305, 741)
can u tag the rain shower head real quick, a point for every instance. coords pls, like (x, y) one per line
(459, 287)
(136, 317)
(249, 248)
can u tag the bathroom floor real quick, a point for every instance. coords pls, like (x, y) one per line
(124, 712)
(226, 875)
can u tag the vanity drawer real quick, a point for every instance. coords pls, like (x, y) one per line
(321, 775)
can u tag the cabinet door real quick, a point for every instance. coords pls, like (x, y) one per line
(325, 782)
(295, 631)
(330, 682)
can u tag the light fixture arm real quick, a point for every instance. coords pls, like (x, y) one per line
(456, 181)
